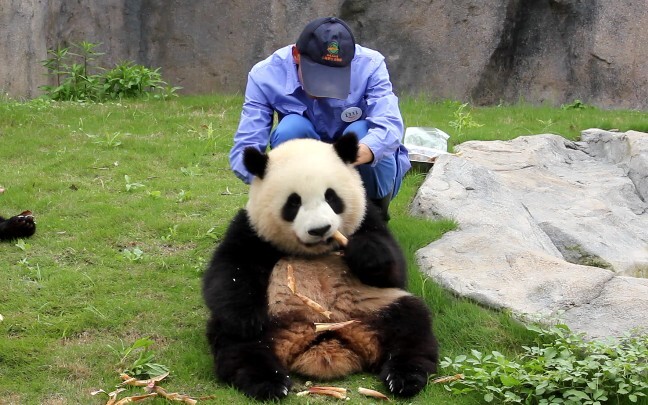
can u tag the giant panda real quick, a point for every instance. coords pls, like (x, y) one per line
(261, 331)
(18, 226)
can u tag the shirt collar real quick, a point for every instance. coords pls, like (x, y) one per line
(292, 80)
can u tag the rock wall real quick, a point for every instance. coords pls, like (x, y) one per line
(483, 51)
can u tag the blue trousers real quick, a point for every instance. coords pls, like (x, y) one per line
(378, 180)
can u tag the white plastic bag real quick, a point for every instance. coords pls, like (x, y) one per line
(425, 143)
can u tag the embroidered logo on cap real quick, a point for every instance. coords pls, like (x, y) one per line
(333, 50)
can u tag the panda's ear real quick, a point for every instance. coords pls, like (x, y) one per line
(347, 147)
(255, 161)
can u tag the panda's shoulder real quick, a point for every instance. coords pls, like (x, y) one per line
(241, 239)
(373, 218)
(240, 230)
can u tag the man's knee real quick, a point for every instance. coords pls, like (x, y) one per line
(360, 128)
(292, 126)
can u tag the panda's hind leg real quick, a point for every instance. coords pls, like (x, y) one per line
(410, 350)
(250, 365)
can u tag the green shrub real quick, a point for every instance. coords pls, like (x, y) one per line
(127, 80)
(564, 368)
(79, 79)
(575, 105)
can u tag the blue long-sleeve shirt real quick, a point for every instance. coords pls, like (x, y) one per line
(273, 86)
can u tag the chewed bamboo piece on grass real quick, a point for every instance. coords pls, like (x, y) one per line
(173, 396)
(134, 398)
(448, 378)
(372, 393)
(336, 392)
(112, 397)
(153, 390)
(128, 380)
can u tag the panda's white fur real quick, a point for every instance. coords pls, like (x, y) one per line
(287, 173)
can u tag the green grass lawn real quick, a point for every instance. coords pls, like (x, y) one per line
(131, 198)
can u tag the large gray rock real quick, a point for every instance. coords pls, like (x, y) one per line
(547, 51)
(546, 226)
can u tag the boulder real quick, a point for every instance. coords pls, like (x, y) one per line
(546, 227)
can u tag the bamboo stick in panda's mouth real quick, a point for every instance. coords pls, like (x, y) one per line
(340, 239)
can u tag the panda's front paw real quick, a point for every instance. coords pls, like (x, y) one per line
(367, 251)
(274, 387)
(404, 379)
(373, 262)
(19, 226)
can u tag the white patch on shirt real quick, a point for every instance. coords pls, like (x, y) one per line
(351, 114)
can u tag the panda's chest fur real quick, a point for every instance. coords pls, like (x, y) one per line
(325, 291)
(326, 281)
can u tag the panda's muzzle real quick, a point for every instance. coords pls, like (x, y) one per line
(321, 231)
(320, 236)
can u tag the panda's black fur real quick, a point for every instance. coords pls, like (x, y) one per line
(259, 332)
(18, 226)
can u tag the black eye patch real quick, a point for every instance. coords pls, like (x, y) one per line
(291, 207)
(334, 201)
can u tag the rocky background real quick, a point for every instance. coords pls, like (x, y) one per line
(482, 51)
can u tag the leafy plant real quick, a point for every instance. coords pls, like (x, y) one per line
(55, 63)
(165, 92)
(207, 133)
(20, 244)
(128, 80)
(72, 72)
(134, 255)
(108, 140)
(566, 369)
(546, 124)
(463, 120)
(76, 82)
(212, 233)
(184, 196)
(131, 185)
(173, 231)
(142, 366)
(575, 105)
(191, 172)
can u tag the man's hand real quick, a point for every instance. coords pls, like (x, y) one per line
(365, 155)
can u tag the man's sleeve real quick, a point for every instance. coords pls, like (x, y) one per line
(253, 130)
(384, 115)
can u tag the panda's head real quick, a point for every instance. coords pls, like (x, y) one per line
(303, 191)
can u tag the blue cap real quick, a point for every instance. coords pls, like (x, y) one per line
(326, 47)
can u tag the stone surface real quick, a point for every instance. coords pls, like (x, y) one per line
(487, 51)
(546, 226)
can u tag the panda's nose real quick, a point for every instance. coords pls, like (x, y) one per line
(319, 231)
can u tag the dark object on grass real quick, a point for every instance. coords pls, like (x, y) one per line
(19, 226)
